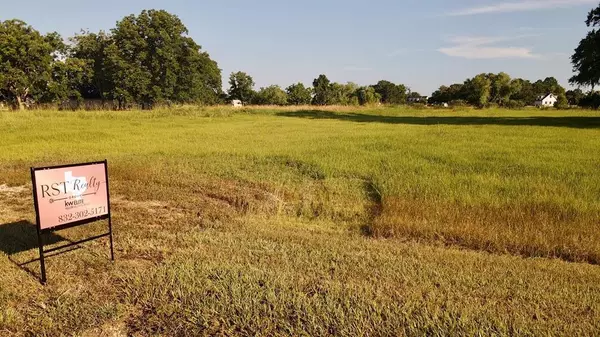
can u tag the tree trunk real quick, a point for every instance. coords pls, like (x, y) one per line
(20, 104)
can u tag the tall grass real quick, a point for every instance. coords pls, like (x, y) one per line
(304, 221)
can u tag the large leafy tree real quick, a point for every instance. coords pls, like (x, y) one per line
(241, 87)
(586, 59)
(391, 93)
(26, 61)
(154, 60)
(298, 94)
(148, 58)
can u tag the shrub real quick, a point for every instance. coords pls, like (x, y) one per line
(514, 104)
(458, 103)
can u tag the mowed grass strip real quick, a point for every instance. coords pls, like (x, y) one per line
(253, 222)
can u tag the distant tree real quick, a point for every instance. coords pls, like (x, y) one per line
(523, 91)
(479, 89)
(515, 87)
(446, 94)
(550, 86)
(367, 96)
(321, 90)
(574, 96)
(298, 94)
(391, 93)
(414, 94)
(93, 49)
(440, 96)
(591, 100)
(67, 74)
(66, 80)
(342, 94)
(561, 102)
(241, 87)
(272, 95)
(586, 58)
(26, 59)
(500, 89)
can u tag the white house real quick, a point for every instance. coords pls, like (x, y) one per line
(236, 103)
(546, 100)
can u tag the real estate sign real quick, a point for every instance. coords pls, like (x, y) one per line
(70, 195)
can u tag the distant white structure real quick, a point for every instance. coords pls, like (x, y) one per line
(546, 101)
(421, 99)
(445, 105)
(236, 103)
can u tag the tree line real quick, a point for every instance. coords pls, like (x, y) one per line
(149, 59)
(486, 90)
(322, 92)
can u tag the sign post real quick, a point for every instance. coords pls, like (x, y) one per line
(67, 196)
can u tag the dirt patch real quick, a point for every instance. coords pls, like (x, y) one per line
(111, 329)
(119, 201)
(5, 189)
(15, 202)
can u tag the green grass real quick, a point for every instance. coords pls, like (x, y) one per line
(304, 221)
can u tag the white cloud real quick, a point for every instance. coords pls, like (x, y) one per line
(482, 47)
(521, 6)
(488, 52)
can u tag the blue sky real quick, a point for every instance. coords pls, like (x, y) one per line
(421, 43)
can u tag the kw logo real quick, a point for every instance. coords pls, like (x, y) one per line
(73, 203)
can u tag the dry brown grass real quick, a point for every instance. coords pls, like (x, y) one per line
(534, 230)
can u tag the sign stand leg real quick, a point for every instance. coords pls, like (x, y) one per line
(112, 252)
(42, 264)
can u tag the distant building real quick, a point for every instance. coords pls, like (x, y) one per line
(548, 100)
(420, 99)
(236, 103)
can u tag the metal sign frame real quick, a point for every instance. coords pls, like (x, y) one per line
(41, 232)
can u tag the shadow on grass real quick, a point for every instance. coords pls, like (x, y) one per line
(19, 237)
(567, 121)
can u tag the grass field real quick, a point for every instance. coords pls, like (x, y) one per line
(304, 221)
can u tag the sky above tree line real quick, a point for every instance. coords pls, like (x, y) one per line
(420, 43)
